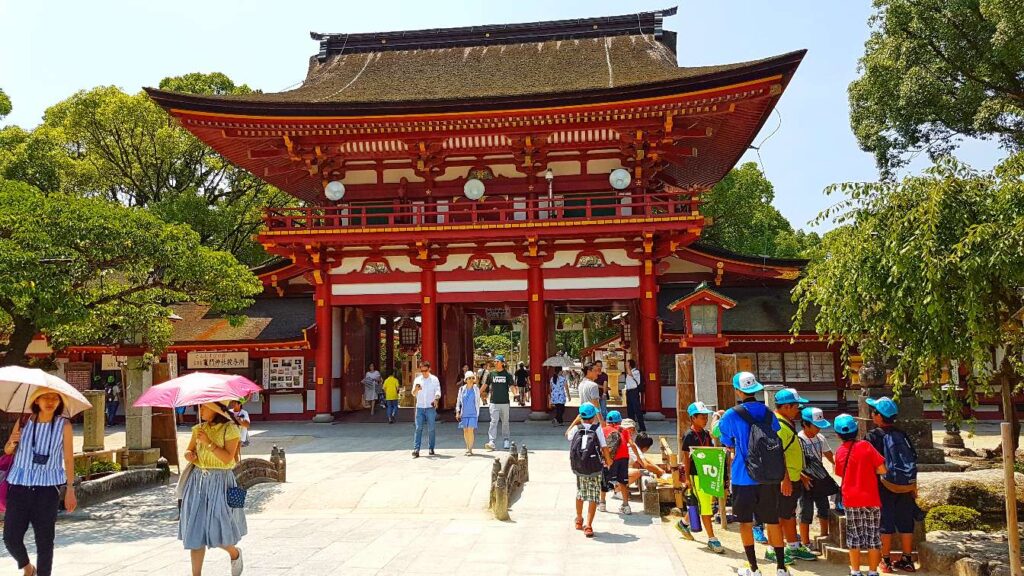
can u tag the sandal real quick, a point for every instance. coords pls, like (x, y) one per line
(579, 523)
(588, 532)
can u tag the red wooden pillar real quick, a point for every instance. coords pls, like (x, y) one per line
(649, 360)
(389, 345)
(538, 341)
(428, 316)
(324, 331)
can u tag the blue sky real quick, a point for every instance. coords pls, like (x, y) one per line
(49, 50)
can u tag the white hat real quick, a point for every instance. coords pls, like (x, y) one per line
(629, 423)
(469, 375)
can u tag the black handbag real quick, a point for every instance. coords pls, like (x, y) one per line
(822, 483)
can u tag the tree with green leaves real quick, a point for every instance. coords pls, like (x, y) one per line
(91, 271)
(926, 272)
(744, 220)
(123, 147)
(935, 71)
(5, 104)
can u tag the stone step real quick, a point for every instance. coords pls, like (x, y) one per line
(944, 467)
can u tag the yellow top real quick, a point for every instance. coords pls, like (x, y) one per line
(391, 388)
(794, 452)
(220, 435)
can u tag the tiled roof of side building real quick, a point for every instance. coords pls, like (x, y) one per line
(759, 309)
(268, 319)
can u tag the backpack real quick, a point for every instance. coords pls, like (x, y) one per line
(586, 461)
(765, 461)
(900, 462)
(614, 440)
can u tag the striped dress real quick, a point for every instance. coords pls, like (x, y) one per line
(43, 439)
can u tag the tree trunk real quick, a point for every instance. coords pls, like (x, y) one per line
(17, 346)
(1009, 410)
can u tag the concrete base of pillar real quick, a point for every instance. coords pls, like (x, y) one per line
(141, 458)
(654, 416)
(323, 418)
(540, 416)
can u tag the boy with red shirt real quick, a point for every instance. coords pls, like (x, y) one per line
(618, 473)
(859, 465)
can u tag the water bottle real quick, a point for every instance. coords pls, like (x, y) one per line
(693, 511)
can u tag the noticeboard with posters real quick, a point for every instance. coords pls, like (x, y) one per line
(283, 373)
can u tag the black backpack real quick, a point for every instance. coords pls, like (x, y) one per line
(586, 461)
(766, 460)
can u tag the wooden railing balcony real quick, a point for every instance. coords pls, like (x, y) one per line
(467, 217)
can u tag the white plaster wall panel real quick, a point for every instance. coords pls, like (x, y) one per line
(363, 288)
(604, 166)
(591, 283)
(563, 258)
(618, 256)
(311, 399)
(454, 262)
(286, 403)
(668, 397)
(453, 173)
(563, 168)
(450, 286)
(360, 177)
(506, 171)
(395, 175)
(508, 260)
(335, 400)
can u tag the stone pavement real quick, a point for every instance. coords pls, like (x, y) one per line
(357, 503)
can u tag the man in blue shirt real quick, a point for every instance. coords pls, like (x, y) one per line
(750, 497)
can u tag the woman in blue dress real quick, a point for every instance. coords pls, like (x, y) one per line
(467, 410)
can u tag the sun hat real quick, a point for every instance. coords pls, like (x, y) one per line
(614, 417)
(845, 424)
(587, 411)
(815, 416)
(885, 406)
(697, 408)
(747, 383)
(469, 375)
(789, 396)
(628, 423)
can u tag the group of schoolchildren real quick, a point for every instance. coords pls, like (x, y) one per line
(778, 480)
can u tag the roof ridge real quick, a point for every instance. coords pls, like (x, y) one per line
(626, 24)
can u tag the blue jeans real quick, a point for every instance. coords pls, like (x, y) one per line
(604, 407)
(424, 414)
(392, 408)
(112, 412)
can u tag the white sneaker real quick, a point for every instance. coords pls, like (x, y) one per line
(746, 571)
(624, 510)
(237, 565)
(781, 572)
(506, 444)
(601, 507)
(489, 446)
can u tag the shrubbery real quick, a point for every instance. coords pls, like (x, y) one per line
(952, 518)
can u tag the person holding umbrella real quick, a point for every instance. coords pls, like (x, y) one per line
(41, 461)
(206, 519)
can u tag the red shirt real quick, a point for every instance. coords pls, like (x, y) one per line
(623, 451)
(859, 474)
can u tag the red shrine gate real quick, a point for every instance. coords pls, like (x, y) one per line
(525, 166)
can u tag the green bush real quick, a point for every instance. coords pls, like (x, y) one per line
(97, 467)
(952, 518)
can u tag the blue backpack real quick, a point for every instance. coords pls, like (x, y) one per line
(900, 459)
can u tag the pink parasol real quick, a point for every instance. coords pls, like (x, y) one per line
(197, 388)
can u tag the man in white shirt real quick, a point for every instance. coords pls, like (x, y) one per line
(634, 404)
(427, 390)
(589, 390)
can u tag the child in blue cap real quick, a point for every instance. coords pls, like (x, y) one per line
(859, 465)
(788, 404)
(898, 487)
(585, 457)
(697, 437)
(816, 449)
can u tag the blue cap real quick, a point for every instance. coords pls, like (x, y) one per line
(845, 424)
(747, 383)
(697, 408)
(499, 358)
(885, 406)
(789, 396)
(614, 417)
(815, 416)
(587, 411)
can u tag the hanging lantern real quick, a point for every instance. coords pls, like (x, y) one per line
(625, 332)
(408, 334)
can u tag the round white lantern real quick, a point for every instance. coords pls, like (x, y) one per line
(620, 178)
(474, 189)
(334, 190)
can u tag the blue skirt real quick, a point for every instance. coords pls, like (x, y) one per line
(206, 519)
(468, 422)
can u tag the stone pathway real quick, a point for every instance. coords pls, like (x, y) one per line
(357, 503)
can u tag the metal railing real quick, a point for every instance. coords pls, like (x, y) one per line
(394, 214)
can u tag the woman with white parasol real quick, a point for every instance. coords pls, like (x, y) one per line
(41, 460)
(211, 514)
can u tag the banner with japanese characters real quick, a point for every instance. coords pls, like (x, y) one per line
(710, 470)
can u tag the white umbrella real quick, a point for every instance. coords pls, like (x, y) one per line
(18, 384)
(558, 361)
